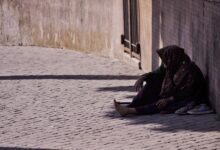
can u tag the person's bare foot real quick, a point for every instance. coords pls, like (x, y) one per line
(123, 111)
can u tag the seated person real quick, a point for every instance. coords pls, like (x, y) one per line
(178, 82)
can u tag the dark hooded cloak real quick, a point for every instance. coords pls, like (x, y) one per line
(180, 79)
(183, 79)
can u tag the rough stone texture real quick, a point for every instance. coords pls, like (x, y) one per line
(76, 24)
(209, 55)
(62, 99)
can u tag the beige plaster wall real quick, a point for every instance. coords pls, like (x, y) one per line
(85, 25)
(146, 33)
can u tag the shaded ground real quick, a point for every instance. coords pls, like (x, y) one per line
(62, 99)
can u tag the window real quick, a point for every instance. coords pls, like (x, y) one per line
(130, 38)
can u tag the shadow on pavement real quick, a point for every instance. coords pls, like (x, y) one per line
(19, 148)
(69, 77)
(117, 89)
(171, 122)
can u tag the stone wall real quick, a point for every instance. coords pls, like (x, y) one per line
(75, 24)
(193, 25)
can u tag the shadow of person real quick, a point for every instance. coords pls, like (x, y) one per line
(170, 122)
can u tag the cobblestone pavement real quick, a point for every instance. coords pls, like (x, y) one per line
(62, 99)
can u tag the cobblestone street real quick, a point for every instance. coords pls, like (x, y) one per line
(63, 99)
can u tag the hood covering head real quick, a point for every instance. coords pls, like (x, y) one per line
(178, 67)
(173, 57)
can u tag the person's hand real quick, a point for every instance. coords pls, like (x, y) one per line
(139, 83)
(162, 103)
